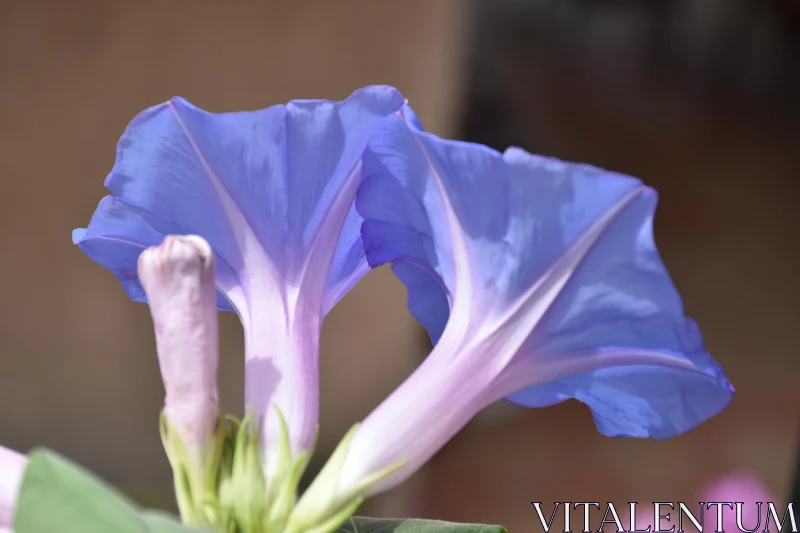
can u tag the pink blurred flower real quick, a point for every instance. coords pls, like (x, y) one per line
(12, 469)
(741, 487)
(737, 487)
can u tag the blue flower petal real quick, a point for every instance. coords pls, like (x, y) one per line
(268, 189)
(406, 216)
(552, 260)
(426, 299)
(119, 233)
(621, 296)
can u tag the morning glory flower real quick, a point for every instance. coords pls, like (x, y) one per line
(538, 281)
(272, 192)
(12, 469)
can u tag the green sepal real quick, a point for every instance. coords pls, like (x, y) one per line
(247, 489)
(324, 507)
(286, 498)
(283, 465)
(282, 495)
(359, 524)
(218, 474)
(185, 472)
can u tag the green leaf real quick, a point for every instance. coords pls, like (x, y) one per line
(161, 522)
(58, 496)
(360, 524)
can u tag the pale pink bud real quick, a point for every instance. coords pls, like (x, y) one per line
(178, 278)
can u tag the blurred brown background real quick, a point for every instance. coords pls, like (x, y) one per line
(699, 99)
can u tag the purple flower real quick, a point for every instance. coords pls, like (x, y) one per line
(272, 192)
(12, 469)
(538, 281)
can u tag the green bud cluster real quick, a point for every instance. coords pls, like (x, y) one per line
(222, 487)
